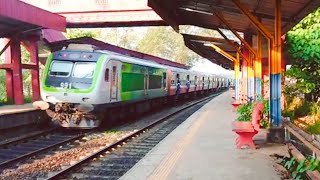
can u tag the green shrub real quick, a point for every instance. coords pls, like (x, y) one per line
(315, 108)
(303, 110)
(314, 128)
(245, 112)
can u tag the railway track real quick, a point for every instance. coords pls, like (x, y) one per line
(33, 144)
(115, 160)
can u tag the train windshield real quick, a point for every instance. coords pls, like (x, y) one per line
(70, 75)
(59, 68)
(83, 70)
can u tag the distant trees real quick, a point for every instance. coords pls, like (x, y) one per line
(164, 42)
(76, 33)
(158, 41)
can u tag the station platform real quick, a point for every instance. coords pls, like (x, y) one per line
(20, 116)
(203, 147)
(12, 109)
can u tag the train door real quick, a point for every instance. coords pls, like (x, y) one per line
(146, 82)
(195, 83)
(202, 82)
(114, 84)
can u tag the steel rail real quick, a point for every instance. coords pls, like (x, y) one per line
(32, 153)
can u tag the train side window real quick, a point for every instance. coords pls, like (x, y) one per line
(164, 79)
(195, 79)
(106, 75)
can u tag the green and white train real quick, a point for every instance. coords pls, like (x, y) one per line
(84, 88)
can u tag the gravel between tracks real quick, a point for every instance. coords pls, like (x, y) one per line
(40, 166)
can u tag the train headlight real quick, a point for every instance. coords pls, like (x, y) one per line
(51, 98)
(86, 99)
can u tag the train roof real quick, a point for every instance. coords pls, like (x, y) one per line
(130, 59)
(133, 60)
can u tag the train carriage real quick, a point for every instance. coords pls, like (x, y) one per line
(79, 86)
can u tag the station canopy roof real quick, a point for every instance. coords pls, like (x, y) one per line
(17, 17)
(200, 45)
(203, 13)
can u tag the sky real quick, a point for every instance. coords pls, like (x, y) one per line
(207, 66)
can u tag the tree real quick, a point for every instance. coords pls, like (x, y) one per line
(76, 33)
(302, 48)
(165, 43)
(123, 37)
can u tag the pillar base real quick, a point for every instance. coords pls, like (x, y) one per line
(276, 135)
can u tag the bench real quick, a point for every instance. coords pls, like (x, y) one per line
(247, 129)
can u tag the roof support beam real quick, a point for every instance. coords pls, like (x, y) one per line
(237, 78)
(233, 45)
(223, 53)
(224, 21)
(5, 47)
(253, 19)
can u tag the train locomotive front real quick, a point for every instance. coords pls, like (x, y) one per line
(69, 88)
(80, 87)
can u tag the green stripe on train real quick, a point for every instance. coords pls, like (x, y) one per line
(133, 81)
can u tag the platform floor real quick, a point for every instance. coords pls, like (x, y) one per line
(203, 148)
(12, 109)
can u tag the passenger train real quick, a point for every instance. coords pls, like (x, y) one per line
(84, 88)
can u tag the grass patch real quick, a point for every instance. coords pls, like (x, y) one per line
(314, 128)
(111, 131)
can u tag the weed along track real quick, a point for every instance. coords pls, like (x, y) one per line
(113, 161)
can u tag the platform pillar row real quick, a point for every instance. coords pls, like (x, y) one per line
(237, 78)
(251, 77)
(14, 74)
(275, 70)
(9, 73)
(250, 56)
(258, 69)
(244, 81)
(34, 60)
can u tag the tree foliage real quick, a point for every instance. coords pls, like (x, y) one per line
(302, 48)
(164, 42)
(158, 41)
(76, 33)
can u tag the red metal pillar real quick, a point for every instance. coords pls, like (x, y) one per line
(34, 60)
(17, 72)
(9, 73)
(244, 83)
(250, 57)
(265, 78)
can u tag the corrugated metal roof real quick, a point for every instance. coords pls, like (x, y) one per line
(202, 13)
(197, 44)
